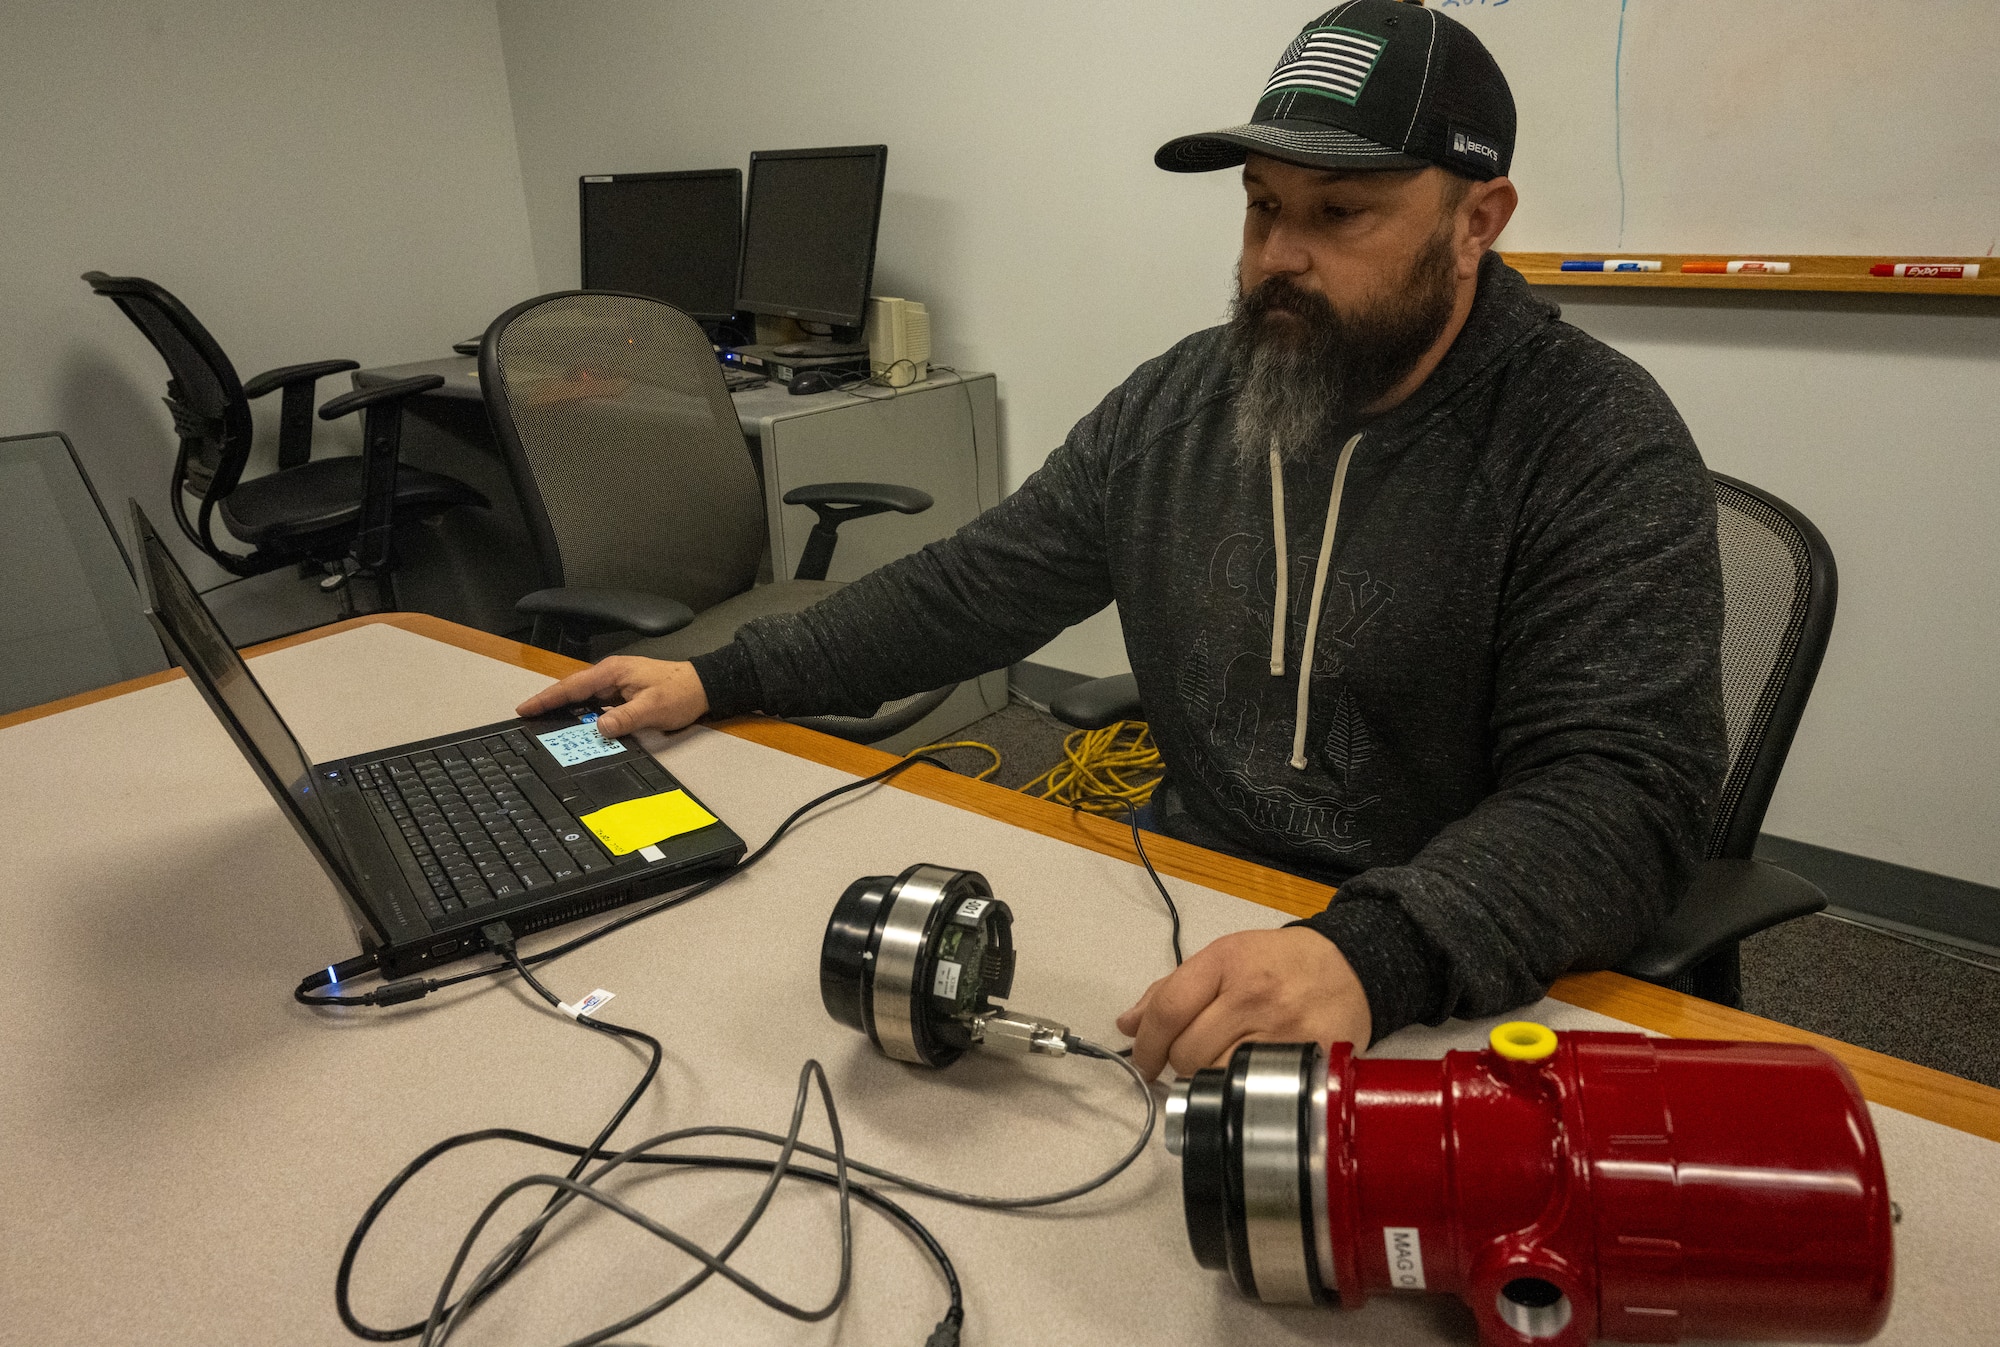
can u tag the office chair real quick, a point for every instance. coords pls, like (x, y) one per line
(310, 511)
(70, 615)
(645, 509)
(1779, 591)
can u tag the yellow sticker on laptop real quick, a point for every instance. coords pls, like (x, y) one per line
(627, 826)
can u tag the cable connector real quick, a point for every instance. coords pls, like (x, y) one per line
(1021, 1034)
(395, 993)
(498, 935)
(946, 1332)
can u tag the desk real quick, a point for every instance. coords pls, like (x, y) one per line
(188, 1148)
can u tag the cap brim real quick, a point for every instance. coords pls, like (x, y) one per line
(1309, 144)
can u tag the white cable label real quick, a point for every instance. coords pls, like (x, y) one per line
(1406, 1257)
(945, 984)
(972, 909)
(588, 1005)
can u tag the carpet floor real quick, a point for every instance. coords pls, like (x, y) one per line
(1930, 1005)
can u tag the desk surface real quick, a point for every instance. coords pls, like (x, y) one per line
(201, 1145)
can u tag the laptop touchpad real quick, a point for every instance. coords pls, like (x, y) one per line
(612, 785)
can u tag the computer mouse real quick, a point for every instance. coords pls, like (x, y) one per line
(812, 381)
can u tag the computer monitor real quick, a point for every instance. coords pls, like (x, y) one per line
(669, 236)
(809, 238)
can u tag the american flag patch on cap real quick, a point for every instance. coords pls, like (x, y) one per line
(1335, 62)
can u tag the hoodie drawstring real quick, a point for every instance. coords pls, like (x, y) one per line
(1304, 705)
(1284, 579)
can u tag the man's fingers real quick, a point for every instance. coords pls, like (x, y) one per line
(1212, 1038)
(595, 681)
(1128, 1023)
(627, 716)
(1173, 1003)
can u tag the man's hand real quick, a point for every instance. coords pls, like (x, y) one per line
(653, 694)
(1286, 986)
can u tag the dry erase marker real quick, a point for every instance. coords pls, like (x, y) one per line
(1933, 271)
(1743, 268)
(1612, 264)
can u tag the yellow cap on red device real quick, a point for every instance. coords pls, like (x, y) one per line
(1523, 1040)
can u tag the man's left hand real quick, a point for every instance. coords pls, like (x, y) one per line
(1286, 986)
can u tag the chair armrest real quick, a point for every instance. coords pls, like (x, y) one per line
(1100, 702)
(608, 609)
(881, 495)
(295, 413)
(363, 398)
(1730, 900)
(271, 380)
(873, 729)
(837, 502)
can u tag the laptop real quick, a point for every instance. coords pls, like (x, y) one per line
(536, 821)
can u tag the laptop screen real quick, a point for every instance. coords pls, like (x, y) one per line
(198, 644)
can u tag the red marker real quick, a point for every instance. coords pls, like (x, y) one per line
(1933, 271)
(1744, 268)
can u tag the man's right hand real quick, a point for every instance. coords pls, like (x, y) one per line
(652, 694)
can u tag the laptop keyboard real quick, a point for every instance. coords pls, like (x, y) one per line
(472, 824)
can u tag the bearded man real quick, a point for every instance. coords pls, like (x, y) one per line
(1419, 583)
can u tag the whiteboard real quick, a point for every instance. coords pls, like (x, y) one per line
(1747, 126)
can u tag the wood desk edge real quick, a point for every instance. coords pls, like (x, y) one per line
(1890, 1081)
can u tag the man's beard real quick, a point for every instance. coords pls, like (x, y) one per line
(1317, 368)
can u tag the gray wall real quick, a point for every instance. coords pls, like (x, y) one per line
(314, 180)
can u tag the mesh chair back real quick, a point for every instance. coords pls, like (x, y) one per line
(70, 618)
(624, 446)
(1779, 590)
(211, 415)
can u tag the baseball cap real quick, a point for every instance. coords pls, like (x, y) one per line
(1371, 84)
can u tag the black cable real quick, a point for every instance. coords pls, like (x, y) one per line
(1132, 816)
(446, 1313)
(1132, 812)
(502, 941)
(1082, 1048)
(569, 1188)
(412, 989)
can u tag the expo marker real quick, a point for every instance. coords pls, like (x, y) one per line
(1937, 271)
(1612, 264)
(1745, 268)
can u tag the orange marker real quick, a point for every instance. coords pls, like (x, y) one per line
(1744, 268)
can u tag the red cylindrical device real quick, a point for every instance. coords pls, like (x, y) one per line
(1588, 1186)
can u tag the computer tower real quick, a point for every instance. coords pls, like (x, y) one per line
(899, 340)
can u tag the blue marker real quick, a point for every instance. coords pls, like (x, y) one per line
(1612, 264)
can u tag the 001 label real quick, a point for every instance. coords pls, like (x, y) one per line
(1406, 1257)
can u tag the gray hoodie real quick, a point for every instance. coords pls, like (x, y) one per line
(1507, 740)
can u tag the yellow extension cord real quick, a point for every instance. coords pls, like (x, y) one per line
(1096, 772)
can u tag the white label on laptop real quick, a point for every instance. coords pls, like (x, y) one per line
(946, 982)
(579, 743)
(652, 853)
(589, 1005)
